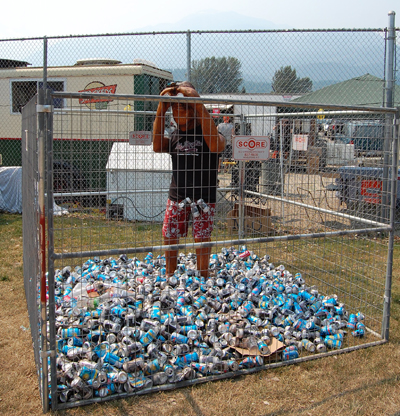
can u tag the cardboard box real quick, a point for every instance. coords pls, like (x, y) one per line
(256, 219)
(275, 347)
(313, 164)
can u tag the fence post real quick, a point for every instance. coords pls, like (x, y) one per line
(45, 63)
(242, 181)
(42, 250)
(389, 70)
(42, 142)
(389, 102)
(393, 201)
(189, 55)
(50, 246)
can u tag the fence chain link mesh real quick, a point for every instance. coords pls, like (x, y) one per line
(30, 177)
(311, 182)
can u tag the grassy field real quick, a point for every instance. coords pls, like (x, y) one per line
(364, 382)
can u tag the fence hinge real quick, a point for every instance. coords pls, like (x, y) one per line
(49, 353)
(40, 108)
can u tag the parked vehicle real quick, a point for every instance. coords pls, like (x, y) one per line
(357, 186)
(368, 139)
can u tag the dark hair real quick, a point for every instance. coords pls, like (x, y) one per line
(186, 84)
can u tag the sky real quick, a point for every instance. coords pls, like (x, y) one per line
(26, 18)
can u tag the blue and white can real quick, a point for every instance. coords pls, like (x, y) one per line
(290, 353)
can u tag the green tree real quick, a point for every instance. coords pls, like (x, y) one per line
(285, 80)
(216, 75)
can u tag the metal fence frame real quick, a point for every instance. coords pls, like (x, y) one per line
(38, 215)
(190, 50)
(371, 226)
(31, 238)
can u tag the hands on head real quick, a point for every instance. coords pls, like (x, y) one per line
(185, 88)
(187, 116)
(184, 113)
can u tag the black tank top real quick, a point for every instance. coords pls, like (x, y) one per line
(194, 167)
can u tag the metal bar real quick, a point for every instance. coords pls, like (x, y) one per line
(42, 249)
(50, 248)
(66, 111)
(242, 176)
(199, 32)
(389, 100)
(188, 56)
(389, 267)
(390, 76)
(133, 191)
(309, 113)
(326, 211)
(167, 387)
(157, 98)
(131, 250)
(45, 63)
(281, 138)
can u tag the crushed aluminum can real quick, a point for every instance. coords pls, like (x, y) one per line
(307, 345)
(352, 321)
(184, 360)
(157, 329)
(290, 353)
(134, 365)
(159, 378)
(333, 343)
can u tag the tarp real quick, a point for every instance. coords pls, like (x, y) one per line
(11, 189)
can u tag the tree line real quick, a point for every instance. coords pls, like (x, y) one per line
(223, 75)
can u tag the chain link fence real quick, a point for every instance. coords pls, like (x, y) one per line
(287, 63)
(300, 252)
(30, 181)
(305, 266)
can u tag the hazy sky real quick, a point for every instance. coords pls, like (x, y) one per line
(27, 18)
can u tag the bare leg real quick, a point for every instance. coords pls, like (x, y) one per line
(171, 256)
(203, 257)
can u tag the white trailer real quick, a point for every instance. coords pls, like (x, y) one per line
(19, 83)
(258, 120)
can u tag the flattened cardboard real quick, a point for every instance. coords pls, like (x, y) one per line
(274, 347)
(256, 219)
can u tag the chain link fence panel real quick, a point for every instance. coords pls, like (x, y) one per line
(304, 263)
(288, 63)
(299, 251)
(31, 239)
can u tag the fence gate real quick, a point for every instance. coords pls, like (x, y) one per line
(300, 253)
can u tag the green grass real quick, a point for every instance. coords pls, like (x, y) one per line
(364, 382)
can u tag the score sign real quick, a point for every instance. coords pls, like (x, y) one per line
(216, 112)
(300, 142)
(140, 138)
(250, 147)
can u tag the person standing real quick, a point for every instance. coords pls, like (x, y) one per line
(226, 129)
(194, 148)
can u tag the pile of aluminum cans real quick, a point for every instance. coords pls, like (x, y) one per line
(123, 325)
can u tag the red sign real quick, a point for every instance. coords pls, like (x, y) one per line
(140, 138)
(371, 191)
(250, 147)
(300, 142)
(216, 111)
(103, 89)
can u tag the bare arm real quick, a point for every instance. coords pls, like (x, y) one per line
(160, 142)
(214, 140)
